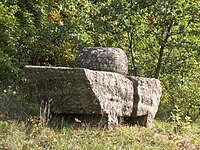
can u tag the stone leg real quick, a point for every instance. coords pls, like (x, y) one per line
(112, 121)
(88, 120)
(145, 120)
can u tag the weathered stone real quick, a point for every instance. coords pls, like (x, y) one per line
(97, 97)
(103, 59)
(83, 91)
(146, 98)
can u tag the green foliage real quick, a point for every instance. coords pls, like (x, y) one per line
(32, 33)
(171, 37)
(8, 42)
(14, 102)
(161, 39)
(179, 121)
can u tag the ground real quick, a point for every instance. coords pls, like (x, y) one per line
(16, 135)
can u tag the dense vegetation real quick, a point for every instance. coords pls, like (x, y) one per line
(161, 39)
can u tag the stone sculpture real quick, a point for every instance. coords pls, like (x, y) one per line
(102, 59)
(99, 95)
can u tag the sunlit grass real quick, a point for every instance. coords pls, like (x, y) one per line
(16, 136)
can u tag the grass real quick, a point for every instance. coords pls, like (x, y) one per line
(16, 134)
(21, 136)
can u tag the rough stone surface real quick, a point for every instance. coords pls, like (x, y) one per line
(97, 97)
(103, 59)
(83, 91)
(146, 98)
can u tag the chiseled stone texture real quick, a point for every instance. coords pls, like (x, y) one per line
(102, 59)
(146, 98)
(96, 96)
(82, 91)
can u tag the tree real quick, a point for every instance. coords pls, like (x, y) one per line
(166, 21)
(171, 36)
(8, 41)
(161, 39)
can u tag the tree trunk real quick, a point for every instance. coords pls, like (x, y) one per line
(161, 52)
(130, 37)
(132, 53)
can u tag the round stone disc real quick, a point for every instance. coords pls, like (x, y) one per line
(102, 59)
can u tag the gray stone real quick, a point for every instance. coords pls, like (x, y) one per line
(103, 59)
(97, 97)
(146, 98)
(83, 91)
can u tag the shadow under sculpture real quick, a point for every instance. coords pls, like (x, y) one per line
(97, 91)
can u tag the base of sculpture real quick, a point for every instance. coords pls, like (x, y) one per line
(96, 98)
(97, 120)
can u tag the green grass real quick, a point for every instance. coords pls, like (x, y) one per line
(21, 136)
